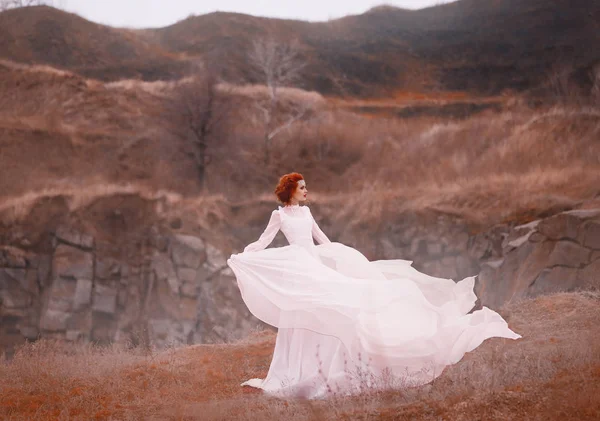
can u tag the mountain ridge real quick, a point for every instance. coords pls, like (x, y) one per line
(479, 47)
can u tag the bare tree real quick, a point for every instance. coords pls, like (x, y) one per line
(14, 4)
(276, 64)
(199, 108)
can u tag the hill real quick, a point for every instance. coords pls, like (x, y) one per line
(59, 126)
(477, 46)
(552, 373)
(44, 35)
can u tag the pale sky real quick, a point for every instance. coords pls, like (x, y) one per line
(158, 13)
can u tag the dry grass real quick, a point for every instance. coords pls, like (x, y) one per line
(14, 209)
(489, 168)
(513, 165)
(34, 68)
(287, 94)
(553, 373)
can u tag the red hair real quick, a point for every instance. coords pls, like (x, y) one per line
(287, 186)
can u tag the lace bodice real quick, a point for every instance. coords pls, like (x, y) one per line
(297, 224)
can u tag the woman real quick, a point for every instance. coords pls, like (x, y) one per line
(347, 324)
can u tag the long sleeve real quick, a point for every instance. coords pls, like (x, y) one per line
(317, 233)
(267, 236)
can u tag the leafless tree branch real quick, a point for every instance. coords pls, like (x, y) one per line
(199, 109)
(14, 4)
(276, 64)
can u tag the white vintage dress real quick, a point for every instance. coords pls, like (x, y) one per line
(347, 323)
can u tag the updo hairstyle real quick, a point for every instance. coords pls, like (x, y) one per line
(287, 186)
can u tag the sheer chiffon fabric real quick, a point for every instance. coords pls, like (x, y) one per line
(346, 323)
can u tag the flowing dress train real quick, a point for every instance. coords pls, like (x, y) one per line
(346, 323)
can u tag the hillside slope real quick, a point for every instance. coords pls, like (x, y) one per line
(44, 35)
(478, 46)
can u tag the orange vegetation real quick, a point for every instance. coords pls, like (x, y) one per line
(553, 373)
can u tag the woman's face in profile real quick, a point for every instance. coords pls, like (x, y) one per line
(301, 192)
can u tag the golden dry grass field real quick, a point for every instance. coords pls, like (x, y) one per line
(552, 373)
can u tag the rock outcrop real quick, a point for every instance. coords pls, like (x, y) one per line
(553, 254)
(178, 289)
(559, 253)
(174, 289)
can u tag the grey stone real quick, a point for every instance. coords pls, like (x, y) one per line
(31, 283)
(125, 270)
(567, 253)
(466, 266)
(554, 280)
(388, 248)
(72, 262)
(583, 213)
(434, 249)
(75, 335)
(460, 241)
(122, 297)
(590, 275)
(561, 226)
(161, 243)
(592, 235)
(517, 233)
(418, 247)
(105, 299)
(190, 241)
(14, 298)
(107, 268)
(54, 320)
(188, 308)
(159, 328)
(25, 279)
(494, 264)
(537, 237)
(521, 267)
(164, 297)
(14, 313)
(75, 238)
(44, 268)
(188, 251)
(449, 268)
(528, 226)
(220, 304)
(480, 247)
(187, 327)
(29, 332)
(83, 294)
(33, 261)
(62, 294)
(104, 330)
(164, 270)
(12, 257)
(16, 274)
(189, 289)
(187, 274)
(517, 242)
(215, 260)
(81, 322)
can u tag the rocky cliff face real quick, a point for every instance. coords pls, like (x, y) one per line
(559, 253)
(166, 289)
(177, 288)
